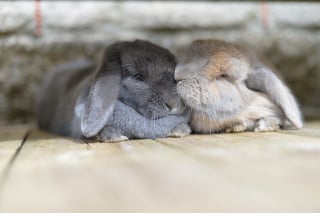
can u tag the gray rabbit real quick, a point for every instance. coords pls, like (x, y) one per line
(229, 89)
(132, 94)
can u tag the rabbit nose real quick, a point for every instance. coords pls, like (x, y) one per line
(183, 72)
(176, 108)
(176, 111)
(179, 75)
(168, 107)
(189, 70)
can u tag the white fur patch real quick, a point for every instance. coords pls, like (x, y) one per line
(78, 110)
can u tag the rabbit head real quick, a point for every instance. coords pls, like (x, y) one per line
(139, 74)
(217, 78)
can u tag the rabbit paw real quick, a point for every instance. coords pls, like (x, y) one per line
(180, 131)
(267, 124)
(238, 127)
(111, 134)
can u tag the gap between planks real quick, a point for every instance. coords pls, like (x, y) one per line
(7, 167)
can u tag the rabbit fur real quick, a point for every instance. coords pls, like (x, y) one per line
(132, 94)
(229, 89)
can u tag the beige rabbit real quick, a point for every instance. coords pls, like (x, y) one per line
(228, 89)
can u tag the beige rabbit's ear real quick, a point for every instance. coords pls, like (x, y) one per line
(264, 80)
(103, 92)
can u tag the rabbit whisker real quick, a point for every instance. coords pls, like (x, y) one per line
(175, 91)
(185, 107)
(126, 65)
(120, 65)
(144, 124)
(154, 125)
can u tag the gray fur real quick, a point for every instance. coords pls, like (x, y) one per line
(263, 79)
(129, 96)
(133, 125)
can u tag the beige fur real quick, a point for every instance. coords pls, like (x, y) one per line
(213, 78)
(260, 108)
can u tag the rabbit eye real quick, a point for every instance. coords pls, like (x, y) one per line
(224, 76)
(139, 77)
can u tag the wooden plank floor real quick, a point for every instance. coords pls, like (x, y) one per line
(247, 172)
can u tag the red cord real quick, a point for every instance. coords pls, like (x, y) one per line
(38, 18)
(265, 15)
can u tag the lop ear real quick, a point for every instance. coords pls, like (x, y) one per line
(103, 92)
(263, 79)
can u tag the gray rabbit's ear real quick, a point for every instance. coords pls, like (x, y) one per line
(103, 92)
(264, 80)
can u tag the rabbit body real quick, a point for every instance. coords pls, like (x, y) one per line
(229, 89)
(131, 95)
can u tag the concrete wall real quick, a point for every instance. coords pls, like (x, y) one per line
(287, 33)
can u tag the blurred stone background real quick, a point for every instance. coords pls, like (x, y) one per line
(32, 42)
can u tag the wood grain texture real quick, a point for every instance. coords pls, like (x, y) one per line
(247, 172)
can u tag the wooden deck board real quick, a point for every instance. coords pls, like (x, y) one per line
(247, 172)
